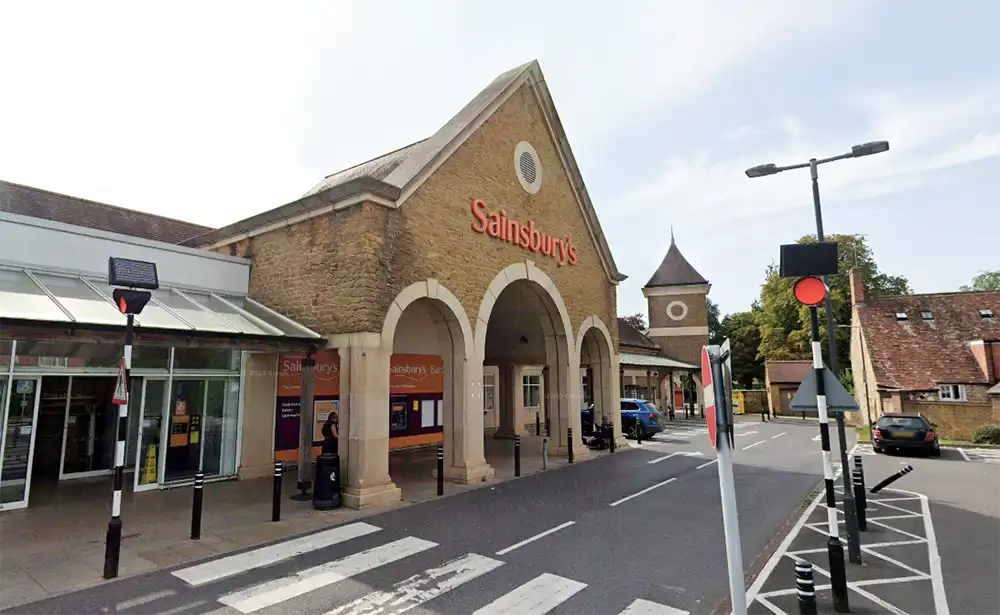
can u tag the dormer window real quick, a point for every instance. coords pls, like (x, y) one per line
(951, 392)
(986, 313)
(901, 316)
(927, 315)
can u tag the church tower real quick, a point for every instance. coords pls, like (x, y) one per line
(677, 299)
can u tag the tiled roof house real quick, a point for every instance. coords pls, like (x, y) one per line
(925, 353)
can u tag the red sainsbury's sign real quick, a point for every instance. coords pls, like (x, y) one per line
(499, 226)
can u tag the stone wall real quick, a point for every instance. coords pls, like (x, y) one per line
(955, 421)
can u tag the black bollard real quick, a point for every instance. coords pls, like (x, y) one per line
(548, 427)
(638, 430)
(569, 444)
(891, 479)
(805, 587)
(517, 455)
(545, 453)
(611, 438)
(199, 494)
(276, 497)
(440, 469)
(859, 500)
(862, 500)
(538, 424)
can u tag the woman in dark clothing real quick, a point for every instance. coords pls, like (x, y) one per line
(330, 434)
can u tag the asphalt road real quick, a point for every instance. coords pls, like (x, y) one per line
(639, 529)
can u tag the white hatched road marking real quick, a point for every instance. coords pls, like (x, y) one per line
(273, 592)
(265, 556)
(536, 597)
(420, 588)
(646, 607)
(535, 537)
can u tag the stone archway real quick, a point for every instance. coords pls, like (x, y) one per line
(462, 398)
(561, 367)
(595, 353)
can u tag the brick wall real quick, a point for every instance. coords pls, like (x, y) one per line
(338, 273)
(955, 421)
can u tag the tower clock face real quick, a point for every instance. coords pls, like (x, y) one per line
(677, 310)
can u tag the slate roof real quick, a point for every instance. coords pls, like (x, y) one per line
(38, 203)
(786, 372)
(394, 176)
(643, 360)
(630, 336)
(675, 270)
(917, 354)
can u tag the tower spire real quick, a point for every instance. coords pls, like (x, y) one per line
(671, 233)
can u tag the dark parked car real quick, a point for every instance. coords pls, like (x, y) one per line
(638, 415)
(897, 431)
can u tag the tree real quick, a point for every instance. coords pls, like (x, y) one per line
(744, 340)
(987, 280)
(784, 322)
(637, 320)
(716, 335)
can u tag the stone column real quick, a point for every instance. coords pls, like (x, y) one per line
(621, 381)
(508, 399)
(465, 461)
(307, 421)
(364, 409)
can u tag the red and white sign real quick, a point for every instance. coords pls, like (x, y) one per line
(709, 393)
(120, 396)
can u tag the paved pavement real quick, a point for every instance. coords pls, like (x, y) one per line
(636, 532)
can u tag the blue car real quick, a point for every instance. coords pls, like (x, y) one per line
(639, 417)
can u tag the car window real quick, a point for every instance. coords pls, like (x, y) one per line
(907, 422)
(652, 407)
(629, 405)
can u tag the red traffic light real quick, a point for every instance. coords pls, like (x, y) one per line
(130, 301)
(810, 290)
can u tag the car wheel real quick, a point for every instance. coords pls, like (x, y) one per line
(876, 448)
(936, 452)
(631, 432)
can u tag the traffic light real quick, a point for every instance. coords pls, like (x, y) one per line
(131, 301)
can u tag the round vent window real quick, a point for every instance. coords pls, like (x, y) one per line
(528, 167)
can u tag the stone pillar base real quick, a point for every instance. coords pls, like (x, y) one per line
(469, 474)
(580, 451)
(367, 497)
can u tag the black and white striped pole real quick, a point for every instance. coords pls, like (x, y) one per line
(805, 587)
(132, 275)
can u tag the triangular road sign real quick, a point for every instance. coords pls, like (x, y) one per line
(837, 397)
(121, 388)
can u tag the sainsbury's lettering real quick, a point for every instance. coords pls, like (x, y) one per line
(499, 226)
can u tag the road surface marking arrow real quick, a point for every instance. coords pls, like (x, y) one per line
(684, 453)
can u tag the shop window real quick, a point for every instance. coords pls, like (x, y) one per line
(428, 413)
(31, 355)
(532, 390)
(489, 392)
(6, 346)
(202, 430)
(207, 359)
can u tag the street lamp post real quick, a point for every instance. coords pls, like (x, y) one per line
(857, 151)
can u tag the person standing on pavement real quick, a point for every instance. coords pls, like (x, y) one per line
(330, 434)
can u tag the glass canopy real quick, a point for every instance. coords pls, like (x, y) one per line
(27, 294)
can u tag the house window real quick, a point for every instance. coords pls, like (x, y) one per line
(532, 390)
(951, 392)
(927, 315)
(986, 313)
(901, 316)
(489, 392)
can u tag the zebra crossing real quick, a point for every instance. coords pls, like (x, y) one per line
(300, 589)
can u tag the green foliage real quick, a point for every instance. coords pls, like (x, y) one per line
(715, 333)
(987, 434)
(847, 379)
(784, 322)
(987, 280)
(637, 320)
(744, 339)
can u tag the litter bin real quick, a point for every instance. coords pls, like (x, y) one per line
(326, 493)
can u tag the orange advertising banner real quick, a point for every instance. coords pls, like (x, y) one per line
(326, 378)
(415, 373)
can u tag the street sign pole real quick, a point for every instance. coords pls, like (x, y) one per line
(719, 410)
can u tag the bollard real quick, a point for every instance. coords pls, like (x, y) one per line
(276, 497)
(548, 427)
(891, 479)
(805, 587)
(199, 487)
(569, 444)
(862, 500)
(517, 455)
(545, 453)
(611, 438)
(638, 430)
(538, 424)
(859, 500)
(440, 469)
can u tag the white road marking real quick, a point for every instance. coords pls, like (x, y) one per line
(128, 604)
(937, 578)
(894, 561)
(964, 454)
(753, 445)
(273, 592)
(536, 597)
(534, 538)
(745, 433)
(706, 464)
(420, 588)
(816, 438)
(647, 607)
(265, 556)
(779, 435)
(684, 453)
(646, 490)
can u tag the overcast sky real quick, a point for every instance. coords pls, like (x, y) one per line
(214, 111)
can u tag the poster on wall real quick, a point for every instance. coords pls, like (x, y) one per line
(326, 391)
